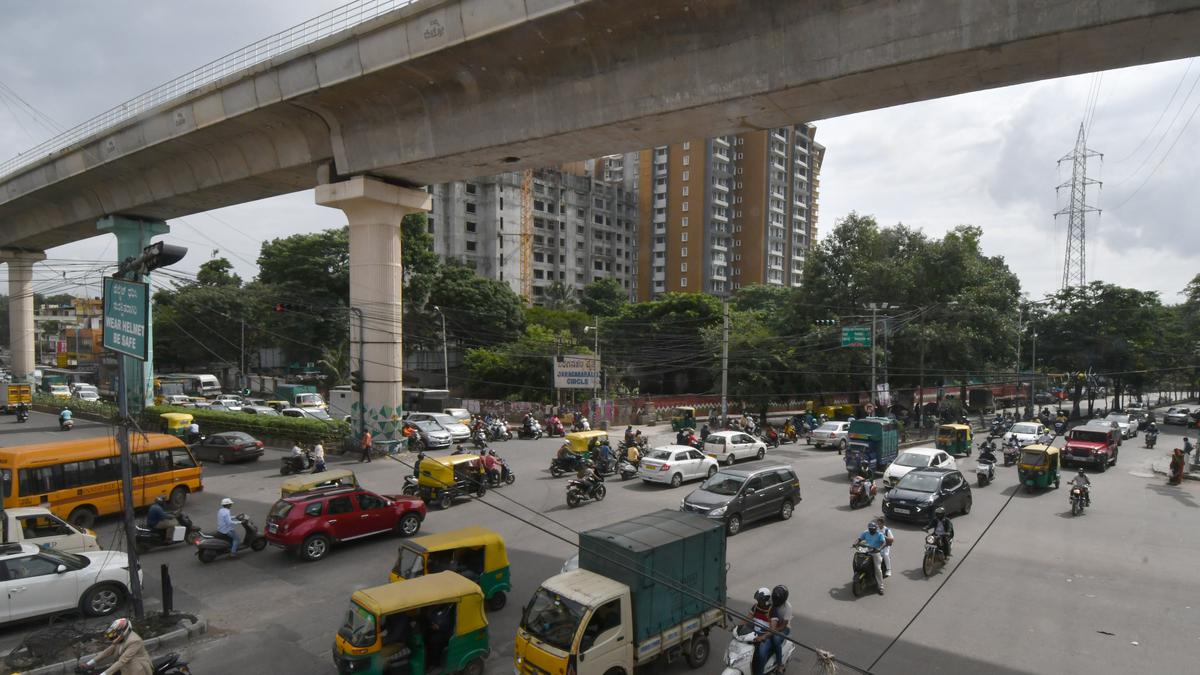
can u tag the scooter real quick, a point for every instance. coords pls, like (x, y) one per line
(146, 538)
(66, 425)
(296, 464)
(533, 433)
(626, 469)
(479, 438)
(554, 427)
(1011, 452)
(22, 415)
(577, 492)
(739, 655)
(1151, 438)
(864, 569)
(210, 546)
(506, 477)
(498, 431)
(862, 492)
(167, 664)
(569, 464)
(769, 436)
(985, 471)
(411, 487)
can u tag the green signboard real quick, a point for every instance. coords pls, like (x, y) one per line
(856, 336)
(126, 308)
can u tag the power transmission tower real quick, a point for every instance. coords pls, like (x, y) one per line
(1075, 263)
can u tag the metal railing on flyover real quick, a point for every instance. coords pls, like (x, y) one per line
(334, 21)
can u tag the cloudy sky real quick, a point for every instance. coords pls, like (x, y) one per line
(987, 158)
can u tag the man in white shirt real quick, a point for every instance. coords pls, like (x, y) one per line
(886, 551)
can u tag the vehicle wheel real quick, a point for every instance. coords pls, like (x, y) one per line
(473, 667)
(409, 491)
(697, 653)
(1028, 488)
(676, 480)
(729, 460)
(927, 564)
(556, 472)
(510, 478)
(1075, 507)
(733, 525)
(762, 452)
(283, 471)
(207, 555)
(859, 587)
(409, 524)
(258, 544)
(841, 446)
(446, 501)
(497, 601)
(102, 599)
(982, 480)
(314, 548)
(83, 517)
(966, 507)
(178, 498)
(1114, 461)
(572, 499)
(600, 493)
(711, 471)
(221, 458)
(786, 510)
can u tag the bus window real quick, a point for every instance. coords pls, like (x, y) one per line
(38, 481)
(154, 461)
(6, 476)
(108, 468)
(182, 459)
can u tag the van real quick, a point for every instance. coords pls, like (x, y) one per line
(1095, 444)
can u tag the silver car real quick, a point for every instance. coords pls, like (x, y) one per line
(458, 431)
(1125, 423)
(432, 435)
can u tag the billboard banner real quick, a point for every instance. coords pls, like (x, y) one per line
(576, 372)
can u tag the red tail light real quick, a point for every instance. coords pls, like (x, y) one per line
(665, 467)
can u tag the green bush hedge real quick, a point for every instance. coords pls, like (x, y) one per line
(97, 410)
(285, 429)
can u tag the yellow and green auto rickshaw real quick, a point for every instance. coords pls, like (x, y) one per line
(577, 447)
(684, 418)
(444, 479)
(476, 553)
(315, 481)
(954, 439)
(176, 424)
(1038, 467)
(434, 623)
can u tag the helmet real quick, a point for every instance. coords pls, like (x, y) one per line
(227, 502)
(763, 596)
(872, 526)
(779, 595)
(118, 630)
(1080, 472)
(939, 512)
(160, 500)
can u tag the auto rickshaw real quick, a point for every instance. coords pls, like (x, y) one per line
(476, 553)
(578, 446)
(684, 418)
(954, 439)
(434, 623)
(277, 405)
(444, 479)
(1038, 467)
(315, 481)
(176, 424)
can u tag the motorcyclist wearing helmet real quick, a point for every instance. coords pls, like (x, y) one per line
(64, 416)
(157, 517)
(227, 526)
(781, 619)
(760, 612)
(127, 647)
(874, 539)
(587, 474)
(943, 529)
(1084, 483)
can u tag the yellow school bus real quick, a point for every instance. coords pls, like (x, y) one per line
(81, 479)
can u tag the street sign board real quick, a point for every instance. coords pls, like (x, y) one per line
(856, 336)
(576, 372)
(126, 310)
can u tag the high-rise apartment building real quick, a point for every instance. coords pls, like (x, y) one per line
(581, 228)
(721, 213)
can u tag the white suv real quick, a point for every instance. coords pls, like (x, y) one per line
(916, 458)
(43, 581)
(833, 434)
(728, 446)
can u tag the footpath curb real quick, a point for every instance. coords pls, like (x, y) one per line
(1164, 467)
(175, 637)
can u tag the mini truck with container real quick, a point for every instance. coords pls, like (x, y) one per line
(646, 588)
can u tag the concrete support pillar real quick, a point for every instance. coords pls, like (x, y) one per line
(374, 210)
(21, 332)
(133, 235)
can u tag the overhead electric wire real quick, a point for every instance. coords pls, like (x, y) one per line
(1163, 113)
(1166, 132)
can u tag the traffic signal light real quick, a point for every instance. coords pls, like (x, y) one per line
(356, 380)
(826, 322)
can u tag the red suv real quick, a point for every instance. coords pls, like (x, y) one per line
(309, 522)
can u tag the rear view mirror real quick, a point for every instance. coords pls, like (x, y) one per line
(61, 568)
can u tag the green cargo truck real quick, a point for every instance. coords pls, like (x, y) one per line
(300, 395)
(648, 587)
(874, 439)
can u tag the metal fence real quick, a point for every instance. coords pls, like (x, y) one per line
(334, 21)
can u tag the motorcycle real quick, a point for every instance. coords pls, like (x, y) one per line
(997, 429)
(210, 546)
(167, 664)
(533, 432)
(934, 555)
(862, 492)
(1078, 500)
(581, 424)
(863, 565)
(22, 415)
(146, 538)
(66, 425)
(479, 438)
(1151, 438)
(578, 492)
(769, 436)
(1011, 452)
(626, 469)
(498, 431)
(411, 487)
(554, 427)
(739, 655)
(563, 465)
(505, 476)
(296, 463)
(985, 471)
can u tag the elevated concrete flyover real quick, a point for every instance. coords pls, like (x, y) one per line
(452, 89)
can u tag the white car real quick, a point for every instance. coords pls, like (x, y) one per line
(1027, 433)
(833, 434)
(233, 403)
(729, 446)
(1125, 423)
(44, 581)
(310, 413)
(674, 464)
(90, 395)
(459, 414)
(459, 432)
(916, 458)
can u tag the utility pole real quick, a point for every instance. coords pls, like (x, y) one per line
(445, 357)
(362, 389)
(921, 380)
(242, 348)
(596, 329)
(724, 362)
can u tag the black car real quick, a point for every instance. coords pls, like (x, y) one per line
(921, 491)
(228, 446)
(745, 493)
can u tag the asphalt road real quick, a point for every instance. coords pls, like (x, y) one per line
(1030, 589)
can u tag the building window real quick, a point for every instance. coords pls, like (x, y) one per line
(683, 252)
(471, 188)
(686, 174)
(682, 267)
(685, 206)
(538, 274)
(683, 223)
(683, 236)
(539, 205)
(470, 206)
(470, 246)
(685, 190)
(470, 226)
(687, 145)
(687, 159)
(538, 257)
(683, 282)
(502, 202)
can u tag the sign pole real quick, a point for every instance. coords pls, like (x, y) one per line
(135, 581)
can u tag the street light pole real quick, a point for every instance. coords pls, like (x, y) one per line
(445, 357)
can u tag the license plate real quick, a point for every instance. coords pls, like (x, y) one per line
(902, 510)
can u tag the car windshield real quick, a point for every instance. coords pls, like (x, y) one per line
(427, 426)
(721, 483)
(411, 565)
(71, 560)
(319, 414)
(914, 459)
(359, 628)
(1119, 418)
(920, 482)
(830, 426)
(715, 440)
(1088, 436)
(660, 454)
(279, 510)
(551, 618)
(237, 436)
(444, 420)
(1033, 457)
(1024, 428)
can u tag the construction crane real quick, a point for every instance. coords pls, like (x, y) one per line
(526, 237)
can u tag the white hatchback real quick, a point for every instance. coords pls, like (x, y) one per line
(674, 464)
(833, 434)
(44, 581)
(916, 458)
(728, 446)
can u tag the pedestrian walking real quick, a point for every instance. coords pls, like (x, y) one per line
(366, 447)
(1177, 462)
(318, 457)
